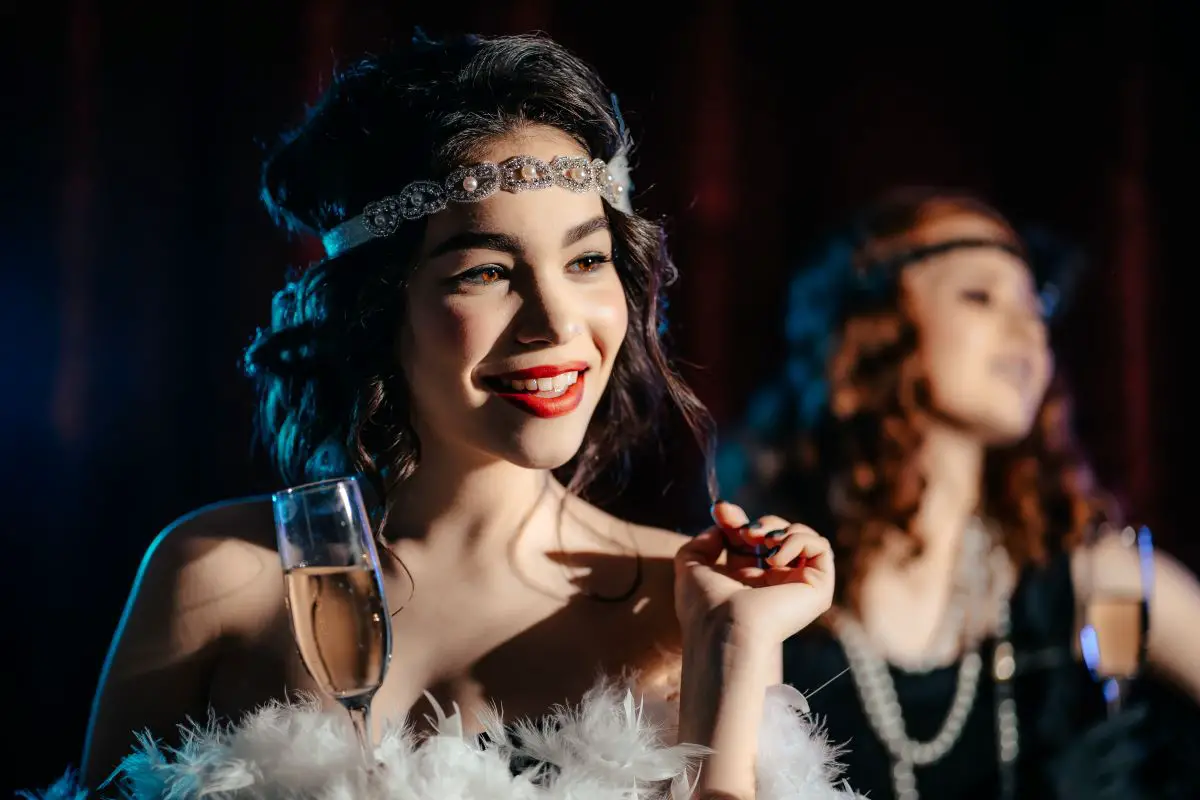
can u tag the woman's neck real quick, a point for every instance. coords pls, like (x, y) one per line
(478, 503)
(951, 463)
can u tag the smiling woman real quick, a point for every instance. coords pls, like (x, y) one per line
(487, 317)
(517, 300)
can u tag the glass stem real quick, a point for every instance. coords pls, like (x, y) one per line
(360, 717)
(1114, 689)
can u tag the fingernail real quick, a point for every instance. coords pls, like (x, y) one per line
(771, 552)
(754, 525)
(775, 534)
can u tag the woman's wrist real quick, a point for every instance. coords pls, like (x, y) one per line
(720, 646)
(727, 668)
(724, 666)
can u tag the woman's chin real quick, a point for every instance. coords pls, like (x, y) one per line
(1004, 428)
(1001, 419)
(544, 450)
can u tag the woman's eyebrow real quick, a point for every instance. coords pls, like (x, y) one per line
(477, 240)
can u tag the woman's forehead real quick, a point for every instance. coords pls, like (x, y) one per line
(992, 265)
(537, 214)
(541, 141)
(960, 225)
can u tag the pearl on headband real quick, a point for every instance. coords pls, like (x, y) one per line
(477, 182)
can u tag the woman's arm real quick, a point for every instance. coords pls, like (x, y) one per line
(1173, 648)
(735, 616)
(725, 676)
(168, 643)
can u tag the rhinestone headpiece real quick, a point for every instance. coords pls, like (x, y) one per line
(477, 182)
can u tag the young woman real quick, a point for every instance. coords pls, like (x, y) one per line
(486, 318)
(919, 420)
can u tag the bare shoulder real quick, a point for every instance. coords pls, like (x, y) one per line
(656, 601)
(650, 542)
(657, 548)
(210, 556)
(649, 550)
(659, 542)
(218, 540)
(206, 580)
(660, 675)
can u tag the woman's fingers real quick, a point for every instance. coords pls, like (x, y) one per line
(702, 549)
(801, 547)
(764, 528)
(728, 515)
(756, 549)
(734, 525)
(741, 529)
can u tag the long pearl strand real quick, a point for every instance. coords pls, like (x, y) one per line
(877, 690)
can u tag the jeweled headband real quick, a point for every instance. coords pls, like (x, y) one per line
(477, 182)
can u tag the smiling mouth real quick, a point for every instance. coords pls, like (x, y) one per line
(540, 387)
(543, 392)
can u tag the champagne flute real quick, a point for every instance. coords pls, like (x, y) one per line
(335, 594)
(1116, 617)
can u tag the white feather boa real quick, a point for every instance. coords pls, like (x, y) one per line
(606, 748)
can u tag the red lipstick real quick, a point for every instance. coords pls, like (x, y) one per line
(542, 403)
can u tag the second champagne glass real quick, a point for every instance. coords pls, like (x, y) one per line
(335, 594)
(1115, 612)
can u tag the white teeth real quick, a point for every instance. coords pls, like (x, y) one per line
(558, 383)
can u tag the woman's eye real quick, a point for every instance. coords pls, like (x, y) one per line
(979, 296)
(589, 263)
(481, 276)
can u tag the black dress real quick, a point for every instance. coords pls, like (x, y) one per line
(1056, 701)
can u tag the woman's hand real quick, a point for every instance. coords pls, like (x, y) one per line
(740, 591)
(764, 581)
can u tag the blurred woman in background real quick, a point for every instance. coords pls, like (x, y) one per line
(919, 419)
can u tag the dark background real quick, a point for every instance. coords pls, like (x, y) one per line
(137, 260)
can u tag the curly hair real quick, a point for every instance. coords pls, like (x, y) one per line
(333, 400)
(835, 442)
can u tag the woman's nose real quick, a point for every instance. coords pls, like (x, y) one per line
(549, 315)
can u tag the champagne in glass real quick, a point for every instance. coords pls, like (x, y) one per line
(1116, 616)
(336, 614)
(335, 594)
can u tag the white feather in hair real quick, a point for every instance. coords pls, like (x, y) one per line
(606, 748)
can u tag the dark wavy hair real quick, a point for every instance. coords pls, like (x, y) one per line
(333, 400)
(834, 441)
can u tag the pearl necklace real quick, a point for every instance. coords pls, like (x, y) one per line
(877, 690)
